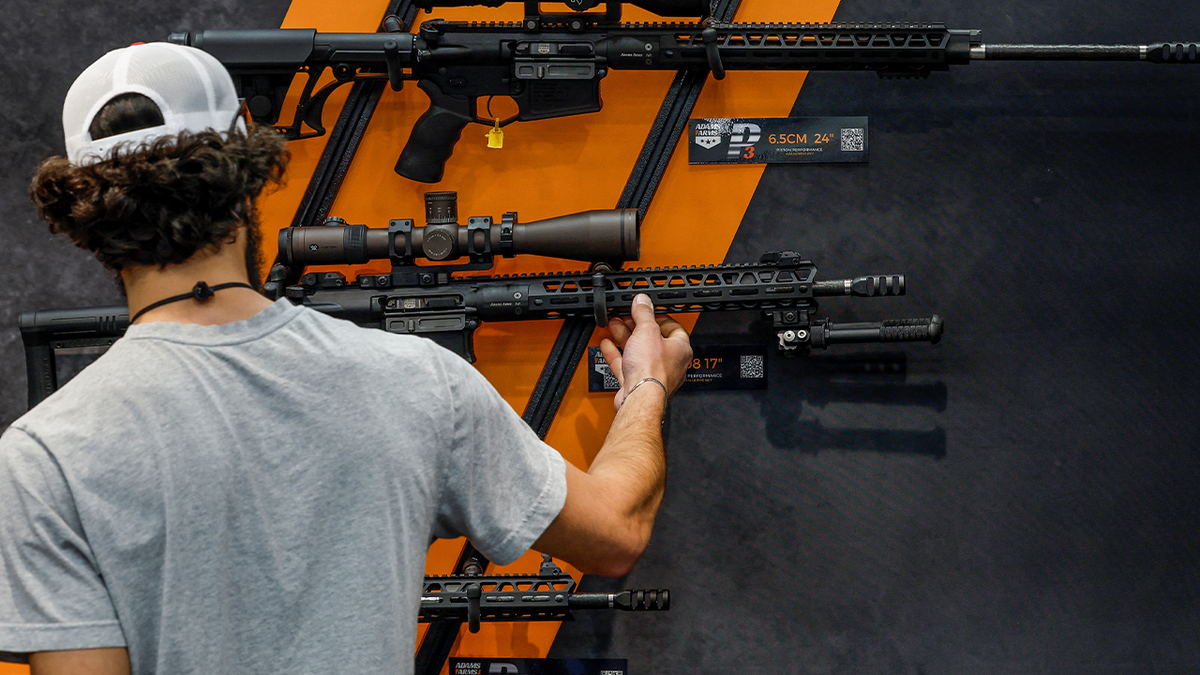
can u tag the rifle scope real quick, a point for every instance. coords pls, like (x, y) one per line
(689, 8)
(608, 235)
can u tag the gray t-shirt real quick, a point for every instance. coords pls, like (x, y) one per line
(258, 497)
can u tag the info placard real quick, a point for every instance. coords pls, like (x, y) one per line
(777, 140)
(713, 368)
(512, 666)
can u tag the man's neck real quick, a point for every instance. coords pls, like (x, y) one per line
(146, 285)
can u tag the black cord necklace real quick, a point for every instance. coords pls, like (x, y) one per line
(201, 292)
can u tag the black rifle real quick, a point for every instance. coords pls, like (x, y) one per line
(432, 302)
(553, 68)
(548, 595)
(448, 309)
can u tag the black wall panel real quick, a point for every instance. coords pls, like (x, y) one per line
(1025, 496)
(48, 44)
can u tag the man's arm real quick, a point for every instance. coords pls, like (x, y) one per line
(106, 661)
(605, 523)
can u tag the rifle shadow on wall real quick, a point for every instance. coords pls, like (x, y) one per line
(855, 402)
(859, 401)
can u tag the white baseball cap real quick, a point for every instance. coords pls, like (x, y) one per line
(190, 87)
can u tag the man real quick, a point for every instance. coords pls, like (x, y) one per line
(212, 495)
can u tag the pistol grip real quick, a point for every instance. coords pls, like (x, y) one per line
(434, 135)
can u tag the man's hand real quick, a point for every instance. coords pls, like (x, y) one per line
(609, 512)
(654, 346)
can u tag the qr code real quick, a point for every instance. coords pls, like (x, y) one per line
(854, 140)
(610, 380)
(752, 367)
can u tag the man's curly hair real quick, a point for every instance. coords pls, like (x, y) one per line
(161, 203)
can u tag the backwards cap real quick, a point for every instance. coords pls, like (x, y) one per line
(190, 87)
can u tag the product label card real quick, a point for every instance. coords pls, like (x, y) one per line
(713, 368)
(777, 140)
(508, 666)
(600, 376)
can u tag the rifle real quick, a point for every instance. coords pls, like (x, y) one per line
(432, 301)
(552, 66)
(548, 595)
(448, 309)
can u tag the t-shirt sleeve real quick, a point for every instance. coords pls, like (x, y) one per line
(503, 485)
(51, 594)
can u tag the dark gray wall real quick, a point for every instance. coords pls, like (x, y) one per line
(1025, 496)
(1019, 499)
(50, 42)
